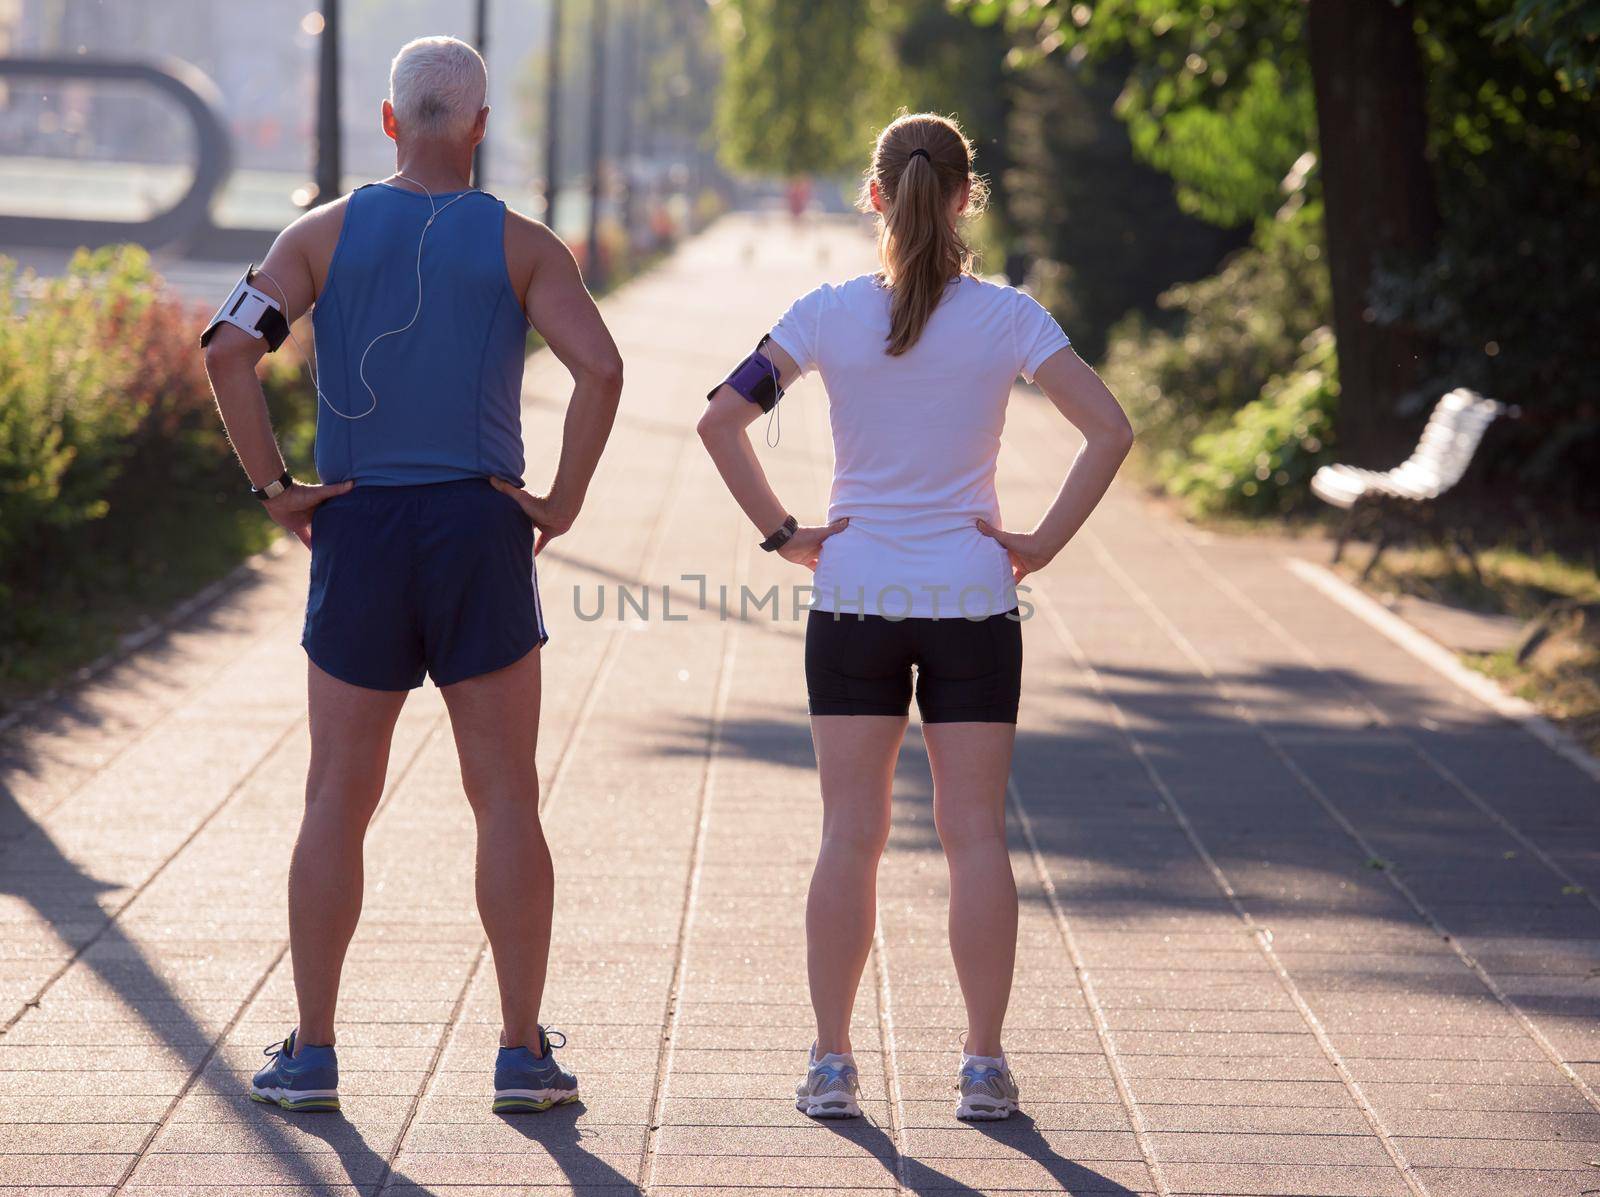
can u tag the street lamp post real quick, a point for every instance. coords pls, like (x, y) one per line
(597, 115)
(552, 115)
(329, 170)
(481, 40)
(632, 69)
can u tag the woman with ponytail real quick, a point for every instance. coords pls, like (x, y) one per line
(915, 576)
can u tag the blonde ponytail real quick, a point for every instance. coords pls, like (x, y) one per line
(922, 161)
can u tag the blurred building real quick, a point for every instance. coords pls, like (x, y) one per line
(262, 57)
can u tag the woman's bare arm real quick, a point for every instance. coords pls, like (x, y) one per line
(1079, 395)
(723, 429)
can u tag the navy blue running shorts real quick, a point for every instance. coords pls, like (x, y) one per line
(963, 670)
(408, 581)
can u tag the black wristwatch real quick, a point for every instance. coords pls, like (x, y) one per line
(781, 537)
(274, 488)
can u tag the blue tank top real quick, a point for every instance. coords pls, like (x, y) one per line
(449, 388)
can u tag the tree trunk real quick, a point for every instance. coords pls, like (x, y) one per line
(1380, 204)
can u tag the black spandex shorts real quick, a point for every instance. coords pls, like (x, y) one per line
(967, 671)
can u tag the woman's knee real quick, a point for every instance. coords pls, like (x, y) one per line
(968, 828)
(855, 836)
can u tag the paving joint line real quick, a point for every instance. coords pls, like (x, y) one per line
(1421, 647)
(446, 1034)
(1097, 1015)
(1315, 792)
(277, 960)
(1373, 711)
(206, 820)
(198, 1071)
(889, 1050)
(667, 1046)
(1261, 935)
(580, 721)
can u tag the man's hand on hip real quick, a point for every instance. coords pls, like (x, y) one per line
(292, 509)
(549, 518)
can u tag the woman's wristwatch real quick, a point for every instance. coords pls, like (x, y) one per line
(274, 488)
(781, 537)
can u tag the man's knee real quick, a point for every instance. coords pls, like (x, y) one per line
(348, 800)
(504, 795)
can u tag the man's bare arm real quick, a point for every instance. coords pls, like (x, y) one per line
(231, 359)
(564, 314)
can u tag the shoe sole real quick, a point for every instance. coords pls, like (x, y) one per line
(520, 1103)
(305, 1103)
(830, 1106)
(985, 1110)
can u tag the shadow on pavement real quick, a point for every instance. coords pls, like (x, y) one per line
(361, 1164)
(557, 1132)
(69, 899)
(1019, 1132)
(1022, 1134)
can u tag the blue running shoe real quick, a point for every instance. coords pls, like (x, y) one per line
(300, 1077)
(830, 1088)
(524, 1082)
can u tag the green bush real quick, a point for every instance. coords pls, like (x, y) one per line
(118, 491)
(1229, 333)
(1261, 460)
(63, 427)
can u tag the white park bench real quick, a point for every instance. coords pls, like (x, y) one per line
(1409, 493)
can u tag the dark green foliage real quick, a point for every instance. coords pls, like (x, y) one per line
(1104, 228)
(118, 491)
(1511, 300)
(1565, 34)
(944, 64)
(1215, 93)
(1260, 461)
(1231, 334)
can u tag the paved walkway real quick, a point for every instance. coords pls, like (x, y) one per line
(1297, 916)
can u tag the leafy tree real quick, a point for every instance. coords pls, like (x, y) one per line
(1565, 33)
(1459, 141)
(1103, 228)
(1196, 76)
(797, 80)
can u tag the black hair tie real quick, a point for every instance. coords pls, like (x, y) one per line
(919, 152)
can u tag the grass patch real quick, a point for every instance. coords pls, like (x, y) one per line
(1514, 582)
(1557, 665)
(170, 556)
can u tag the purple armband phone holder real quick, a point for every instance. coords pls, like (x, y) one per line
(756, 378)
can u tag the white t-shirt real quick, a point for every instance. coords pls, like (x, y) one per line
(915, 442)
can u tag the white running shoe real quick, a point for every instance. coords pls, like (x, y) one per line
(830, 1087)
(988, 1090)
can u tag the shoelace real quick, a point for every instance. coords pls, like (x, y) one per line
(280, 1048)
(548, 1042)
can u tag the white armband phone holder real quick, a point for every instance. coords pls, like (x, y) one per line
(252, 310)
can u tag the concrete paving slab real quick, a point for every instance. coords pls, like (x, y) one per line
(1217, 990)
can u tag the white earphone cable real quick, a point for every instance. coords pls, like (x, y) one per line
(434, 210)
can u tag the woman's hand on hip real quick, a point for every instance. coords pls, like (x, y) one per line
(805, 546)
(1028, 555)
(550, 521)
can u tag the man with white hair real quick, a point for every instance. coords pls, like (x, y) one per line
(422, 537)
